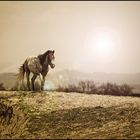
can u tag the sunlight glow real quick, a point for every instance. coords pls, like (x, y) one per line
(48, 85)
(102, 45)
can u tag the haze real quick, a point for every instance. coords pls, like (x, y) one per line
(86, 36)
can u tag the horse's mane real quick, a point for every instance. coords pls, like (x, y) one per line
(42, 57)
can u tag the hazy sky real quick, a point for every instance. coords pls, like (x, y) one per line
(87, 36)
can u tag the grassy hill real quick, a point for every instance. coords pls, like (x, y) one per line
(71, 115)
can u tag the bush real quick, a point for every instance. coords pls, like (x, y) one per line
(2, 86)
(125, 89)
(69, 88)
(90, 87)
(113, 89)
(82, 86)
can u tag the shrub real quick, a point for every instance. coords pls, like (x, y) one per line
(2, 86)
(82, 86)
(91, 88)
(114, 89)
(126, 89)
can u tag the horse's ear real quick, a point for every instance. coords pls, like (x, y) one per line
(53, 51)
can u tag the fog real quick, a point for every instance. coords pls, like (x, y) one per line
(86, 36)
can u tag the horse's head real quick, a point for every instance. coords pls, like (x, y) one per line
(51, 58)
(47, 58)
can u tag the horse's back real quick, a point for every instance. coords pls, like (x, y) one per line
(34, 65)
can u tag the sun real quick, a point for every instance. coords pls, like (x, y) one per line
(101, 45)
(104, 43)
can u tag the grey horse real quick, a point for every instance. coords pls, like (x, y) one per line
(39, 66)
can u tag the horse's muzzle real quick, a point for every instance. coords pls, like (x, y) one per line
(52, 66)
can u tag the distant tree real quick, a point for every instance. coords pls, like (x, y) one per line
(114, 89)
(2, 86)
(82, 86)
(72, 88)
(91, 87)
(126, 89)
(60, 88)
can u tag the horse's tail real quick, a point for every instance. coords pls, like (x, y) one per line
(21, 73)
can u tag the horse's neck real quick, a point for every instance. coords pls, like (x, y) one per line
(46, 62)
(43, 59)
(45, 68)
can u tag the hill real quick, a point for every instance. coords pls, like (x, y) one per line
(9, 79)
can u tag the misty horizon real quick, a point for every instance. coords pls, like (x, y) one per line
(89, 37)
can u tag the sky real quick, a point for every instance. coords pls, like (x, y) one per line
(88, 36)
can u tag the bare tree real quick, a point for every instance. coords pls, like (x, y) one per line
(2, 86)
(82, 85)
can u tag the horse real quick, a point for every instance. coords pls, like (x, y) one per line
(39, 66)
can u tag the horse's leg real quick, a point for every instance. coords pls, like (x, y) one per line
(33, 80)
(28, 79)
(42, 82)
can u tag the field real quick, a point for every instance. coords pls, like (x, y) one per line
(70, 115)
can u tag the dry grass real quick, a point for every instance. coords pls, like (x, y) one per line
(18, 125)
(71, 115)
